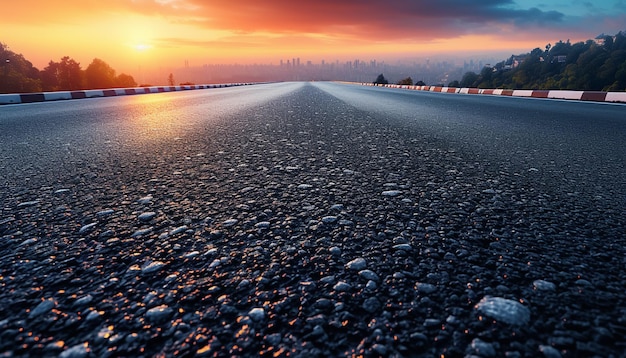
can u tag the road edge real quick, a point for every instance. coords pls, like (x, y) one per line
(593, 96)
(19, 98)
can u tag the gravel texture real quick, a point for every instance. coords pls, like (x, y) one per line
(306, 227)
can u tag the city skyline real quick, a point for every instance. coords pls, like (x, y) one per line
(430, 71)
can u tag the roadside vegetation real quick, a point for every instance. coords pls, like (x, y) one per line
(596, 65)
(18, 75)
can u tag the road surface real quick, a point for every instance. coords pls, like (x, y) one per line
(312, 219)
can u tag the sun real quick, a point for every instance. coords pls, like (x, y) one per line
(142, 47)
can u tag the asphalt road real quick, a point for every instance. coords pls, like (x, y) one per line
(312, 219)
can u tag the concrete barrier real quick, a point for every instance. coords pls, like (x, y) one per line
(16, 98)
(522, 93)
(57, 96)
(559, 94)
(78, 95)
(595, 96)
(10, 99)
(32, 97)
(540, 93)
(615, 97)
(94, 93)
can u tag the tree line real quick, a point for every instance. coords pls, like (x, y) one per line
(381, 80)
(20, 76)
(591, 65)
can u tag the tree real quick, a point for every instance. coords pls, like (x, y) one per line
(100, 75)
(470, 79)
(17, 75)
(170, 80)
(124, 80)
(485, 78)
(65, 75)
(407, 81)
(381, 80)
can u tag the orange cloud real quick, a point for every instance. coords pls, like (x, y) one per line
(373, 19)
(171, 31)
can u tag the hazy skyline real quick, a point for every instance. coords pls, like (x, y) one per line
(144, 35)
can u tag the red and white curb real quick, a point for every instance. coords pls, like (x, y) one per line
(595, 96)
(63, 95)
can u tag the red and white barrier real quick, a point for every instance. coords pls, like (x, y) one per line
(14, 98)
(594, 96)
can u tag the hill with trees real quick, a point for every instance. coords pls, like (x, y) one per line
(18, 75)
(596, 65)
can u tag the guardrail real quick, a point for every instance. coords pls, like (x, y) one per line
(113, 92)
(595, 96)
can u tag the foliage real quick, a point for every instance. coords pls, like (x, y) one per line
(580, 66)
(65, 75)
(407, 81)
(381, 80)
(470, 79)
(100, 75)
(124, 80)
(170, 80)
(18, 75)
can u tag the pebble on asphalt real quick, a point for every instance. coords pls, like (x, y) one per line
(504, 310)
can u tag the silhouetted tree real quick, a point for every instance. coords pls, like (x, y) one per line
(17, 75)
(470, 79)
(124, 80)
(381, 80)
(454, 83)
(407, 81)
(170, 80)
(100, 75)
(485, 78)
(420, 83)
(65, 75)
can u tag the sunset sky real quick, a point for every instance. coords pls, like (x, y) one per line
(128, 34)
